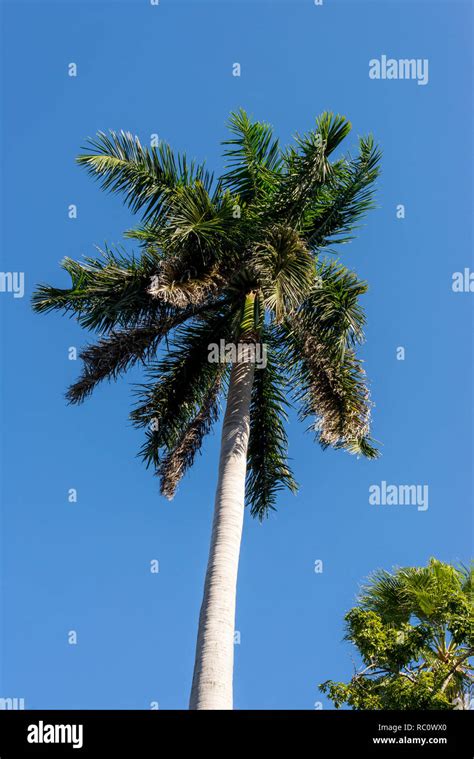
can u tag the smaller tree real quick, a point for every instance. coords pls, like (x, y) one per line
(414, 630)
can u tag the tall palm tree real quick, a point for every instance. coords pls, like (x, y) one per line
(237, 263)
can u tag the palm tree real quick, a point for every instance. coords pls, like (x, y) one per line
(439, 597)
(235, 262)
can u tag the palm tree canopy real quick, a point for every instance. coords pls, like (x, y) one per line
(243, 259)
(439, 594)
(414, 630)
(439, 599)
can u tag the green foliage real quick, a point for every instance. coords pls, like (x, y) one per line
(105, 293)
(178, 385)
(341, 203)
(413, 629)
(284, 269)
(329, 380)
(267, 471)
(240, 258)
(308, 169)
(253, 158)
(146, 176)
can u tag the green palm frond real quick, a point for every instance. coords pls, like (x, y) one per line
(199, 243)
(339, 205)
(412, 628)
(178, 385)
(307, 167)
(386, 595)
(147, 234)
(268, 471)
(119, 351)
(285, 270)
(144, 175)
(253, 158)
(105, 293)
(198, 222)
(331, 309)
(423, 591)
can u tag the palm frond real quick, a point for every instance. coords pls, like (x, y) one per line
(178, 385)
(339, 205)
(119, 351)
(285, 270)
(331, 390)
(105, 293)
(200, 245)
(181, 458)
(386, 595)
(307, 167)
(331, 309)
(422, 591)
(253, 158)
(144, 175)
(203, 225)
(268, 471)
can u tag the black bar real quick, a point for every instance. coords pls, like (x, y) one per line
(166, 733)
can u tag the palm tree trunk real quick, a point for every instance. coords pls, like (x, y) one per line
(213, 669)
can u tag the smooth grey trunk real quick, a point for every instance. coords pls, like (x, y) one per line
(213, 668)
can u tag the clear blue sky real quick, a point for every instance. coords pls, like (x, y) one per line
(85, 566)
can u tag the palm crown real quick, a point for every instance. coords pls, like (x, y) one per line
(239, 259)
(439, 597)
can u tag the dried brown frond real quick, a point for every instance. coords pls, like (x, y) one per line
(180, 286)
(181, 457)
(336, 394)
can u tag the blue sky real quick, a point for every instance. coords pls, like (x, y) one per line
(85, 566)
